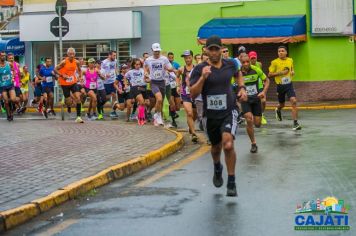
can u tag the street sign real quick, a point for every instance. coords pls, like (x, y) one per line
(61, 7)
(54, 26)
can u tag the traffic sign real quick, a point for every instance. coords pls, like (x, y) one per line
(61, 6)
(54, 26)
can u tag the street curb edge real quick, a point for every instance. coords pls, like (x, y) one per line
(19, 215)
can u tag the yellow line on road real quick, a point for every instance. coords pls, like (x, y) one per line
(197, 154)
(58, 228)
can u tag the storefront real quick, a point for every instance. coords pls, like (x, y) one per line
(322, 60)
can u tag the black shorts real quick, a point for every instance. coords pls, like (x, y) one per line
(283, 90)
(47, 90)
(18, 91)
(7, 89)
(70, 88)
(150, 94)
(109, 89)
(174, 93)
(123, 97)
(252, 105)
(88, 90)
(216, 127)
(137, 90)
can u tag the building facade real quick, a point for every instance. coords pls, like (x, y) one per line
(324, 63)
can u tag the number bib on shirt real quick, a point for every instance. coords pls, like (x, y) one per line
(187, 90)
(251, 90)
(286, 80)
(173, 84)
(6, 77)
(216, 102)
(157, 74)
(127, 89)
(49, 79)
(70, 79)
(92, 85)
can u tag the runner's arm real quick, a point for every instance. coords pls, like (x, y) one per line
(80, 71)
(58, 67)
(147, 73)
(197, 80)
(241, 92)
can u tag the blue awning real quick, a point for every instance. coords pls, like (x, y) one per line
(13, 45)
(282, 29)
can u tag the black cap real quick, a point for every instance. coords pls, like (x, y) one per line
(213, 41)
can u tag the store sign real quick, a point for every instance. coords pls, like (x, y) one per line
(332, 17)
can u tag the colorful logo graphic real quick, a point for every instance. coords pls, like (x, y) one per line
(327, 214)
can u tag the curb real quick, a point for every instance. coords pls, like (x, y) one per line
(16, 216)
(317, 107)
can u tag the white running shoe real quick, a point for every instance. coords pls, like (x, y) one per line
(79, 120)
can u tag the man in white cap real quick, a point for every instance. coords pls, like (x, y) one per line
(155, 68)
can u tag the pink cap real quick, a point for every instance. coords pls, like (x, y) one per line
(252, 54)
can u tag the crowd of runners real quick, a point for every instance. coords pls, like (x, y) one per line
(141, 85)
(216, 91)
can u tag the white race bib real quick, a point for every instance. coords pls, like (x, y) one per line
(251, 90)
(6, 77)
(127, 89)
(70, 79)
(216, 102)
(286, 80)
(49, 79)
(187, 90)
(173, 84)
(92, 85)
(157, 74)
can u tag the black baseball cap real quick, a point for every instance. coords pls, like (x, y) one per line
(213, 41)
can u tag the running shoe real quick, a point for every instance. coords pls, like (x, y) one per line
(94, 116)
(263, 120)
(9, 118)
(53, 113)
(79, 120)
(159, 119)
(194, 138)
(297, 127)
(113, 114)
(18, 111)
(218, 180)
(32, 103)
(133, 117)
(254, 148)
(89, 117)
(100, 116)
(278, 114)
(44, 113)
(231, 190)
(174, 124)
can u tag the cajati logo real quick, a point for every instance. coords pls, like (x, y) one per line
(327, 214)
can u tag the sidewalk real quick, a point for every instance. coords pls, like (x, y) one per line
(40, 157)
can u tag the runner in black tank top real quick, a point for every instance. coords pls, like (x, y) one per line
(188, 103)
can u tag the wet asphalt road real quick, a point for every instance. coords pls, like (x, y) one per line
(177, 197)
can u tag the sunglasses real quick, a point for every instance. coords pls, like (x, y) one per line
(225, 51)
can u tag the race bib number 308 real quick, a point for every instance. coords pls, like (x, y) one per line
(216, 102)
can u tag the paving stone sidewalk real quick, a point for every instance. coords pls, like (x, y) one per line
(40, 156)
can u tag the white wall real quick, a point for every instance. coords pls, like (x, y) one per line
(82, 26)
(48, 5)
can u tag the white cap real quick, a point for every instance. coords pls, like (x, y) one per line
(156, 47)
